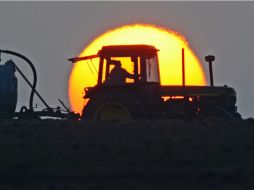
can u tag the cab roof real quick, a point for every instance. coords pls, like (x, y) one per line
(127, 50)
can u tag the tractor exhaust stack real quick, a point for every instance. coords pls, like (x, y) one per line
(210, 59)
(183, 67)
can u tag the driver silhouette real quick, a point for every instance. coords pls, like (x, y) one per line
(118, 74)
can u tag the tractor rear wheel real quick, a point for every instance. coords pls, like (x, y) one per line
(113, 106)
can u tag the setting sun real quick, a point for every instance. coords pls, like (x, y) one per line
(168, 42)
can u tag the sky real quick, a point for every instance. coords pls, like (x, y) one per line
(49, 33)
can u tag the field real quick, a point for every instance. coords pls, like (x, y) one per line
(141, 154)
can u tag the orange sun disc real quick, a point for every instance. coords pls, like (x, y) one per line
(168, 42)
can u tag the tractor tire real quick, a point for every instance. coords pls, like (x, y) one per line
(215, 113)
(238, 116)
(113, 106)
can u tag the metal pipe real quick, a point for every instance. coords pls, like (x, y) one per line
(183, 68)
(211, 73)
(76, 59)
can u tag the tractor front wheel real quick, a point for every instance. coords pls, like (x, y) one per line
(113, 106)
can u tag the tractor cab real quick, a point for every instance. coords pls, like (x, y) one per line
(139, 63)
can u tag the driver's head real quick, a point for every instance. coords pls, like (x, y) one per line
(118, 64)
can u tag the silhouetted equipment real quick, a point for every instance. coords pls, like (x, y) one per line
(9, 92)
(141, 97)
(145, 97)
(8, 88)
(210, 59)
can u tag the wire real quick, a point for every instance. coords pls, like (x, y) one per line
(89, 67)
(93, 66)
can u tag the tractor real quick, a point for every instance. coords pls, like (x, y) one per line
(142, 95)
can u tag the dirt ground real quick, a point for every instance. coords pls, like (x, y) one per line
(141, 154)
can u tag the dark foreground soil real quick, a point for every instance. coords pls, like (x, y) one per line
(142, 154)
